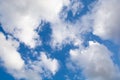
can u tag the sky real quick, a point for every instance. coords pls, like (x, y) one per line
(59, 40)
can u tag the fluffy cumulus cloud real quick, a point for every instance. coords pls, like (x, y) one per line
(21, 18)
(51, 64)
(9, 55)
(96, 62)
(11, 59)
(44, 66)
(106, 19)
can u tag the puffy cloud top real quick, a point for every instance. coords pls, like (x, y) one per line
(9, 55)
(106, 19)
(96, 62)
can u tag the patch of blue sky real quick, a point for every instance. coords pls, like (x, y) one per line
(1, 30)
(26, 53)
(4, 75)
(45, 33)
(86, 5)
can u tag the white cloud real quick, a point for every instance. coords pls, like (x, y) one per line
(63, 33)
(75, 7)
(51, 64)
(66, 33)
(44, 66)
(96, 62)
(9, 55)
(106, 15)
(21, 18)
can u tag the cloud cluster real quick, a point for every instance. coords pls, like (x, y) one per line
(106, 18)
(44, 66)
(21, 18)
(96, 62)
(15, 65)
(9, 55)
(70, 33)
(66, 32)
(63, 34)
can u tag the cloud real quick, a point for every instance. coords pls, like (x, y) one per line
(11, 59)
(51, 64)
(75, 6)
(63, 34)
(21, 18)
(106, 18)
(66, 32)
(44, 66)
(9, 55)
(96, 62)
(70, 33)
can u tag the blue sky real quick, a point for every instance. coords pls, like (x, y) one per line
(59, 40)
